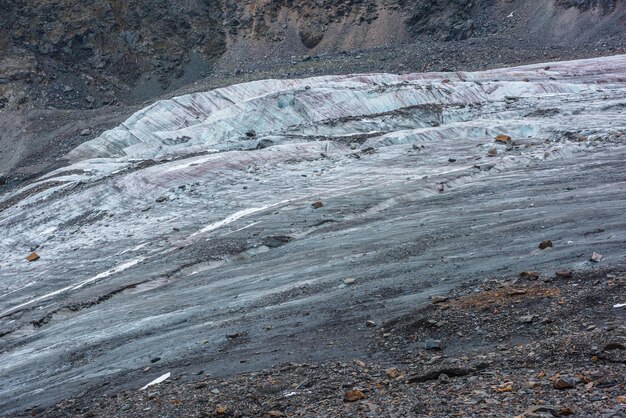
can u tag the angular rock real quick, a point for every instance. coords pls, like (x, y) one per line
(564, 274)
(438, 299)
(317, 205)
(354, 395)
(596, 257)
(527, 319)
(393, 373)
(432, 345)
(530, 275)
(33, 257)
(503, 139)
(545, 244)
(450, 371)
(541, 411)
(276, 241)
(564, 382)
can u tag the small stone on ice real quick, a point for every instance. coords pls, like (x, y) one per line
(349, 281)
(546, 243)
(161, 199)
(596, 257)
(33, 257)
(503, 138)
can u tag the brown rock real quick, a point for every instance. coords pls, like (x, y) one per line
(545, 244)
(220, 410)
(317, 205)
(438, 299)
(530, 275)
(354, 395)
(563, 274)
(33, 257)
(503, 138)
(504, 387)
(274, 414)
(393, 373)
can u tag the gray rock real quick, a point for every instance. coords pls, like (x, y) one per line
(433, 345)
(565, 382)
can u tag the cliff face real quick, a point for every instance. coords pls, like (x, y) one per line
(75, 54)
(104, 43)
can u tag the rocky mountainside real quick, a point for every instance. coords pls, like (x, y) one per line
(75, 54)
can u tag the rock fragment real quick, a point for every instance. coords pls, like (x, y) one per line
(530, 275)
(432, 345)
(33, 257)
(564, 382)
(546, 243)
(438, 299)
(393, 373)
(161, 199)
(503, 139)
(354, 395)
(317, 205)
(527, 319)
(596, 257)
(563, 274)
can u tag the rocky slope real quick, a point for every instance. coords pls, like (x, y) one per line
(256, 224)
(75, 54)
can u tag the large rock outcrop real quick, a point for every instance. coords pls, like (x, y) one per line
(76, 54)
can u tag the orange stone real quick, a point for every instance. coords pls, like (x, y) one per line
(33, 257)
(354, 395)
(503, 138)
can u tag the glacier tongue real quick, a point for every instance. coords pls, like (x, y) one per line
(194, 216)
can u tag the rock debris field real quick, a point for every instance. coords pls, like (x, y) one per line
(296, 221)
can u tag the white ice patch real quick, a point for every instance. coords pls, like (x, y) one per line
(157, 381)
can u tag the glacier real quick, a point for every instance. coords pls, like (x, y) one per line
(194, 218)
